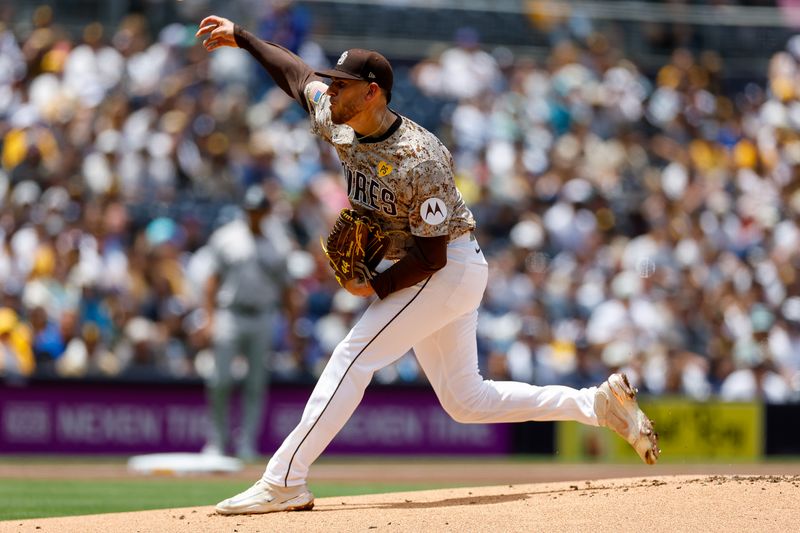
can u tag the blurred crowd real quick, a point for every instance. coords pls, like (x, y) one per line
(644, 223)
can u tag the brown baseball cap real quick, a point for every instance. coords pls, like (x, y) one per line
(366, 65)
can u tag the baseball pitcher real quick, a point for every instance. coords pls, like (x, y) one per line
(401, 176)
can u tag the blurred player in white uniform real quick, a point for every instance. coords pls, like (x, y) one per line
(247, 283)
(428, 298)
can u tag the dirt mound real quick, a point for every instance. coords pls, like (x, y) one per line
(669, 503)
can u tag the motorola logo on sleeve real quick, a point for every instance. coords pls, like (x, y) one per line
(433, 211)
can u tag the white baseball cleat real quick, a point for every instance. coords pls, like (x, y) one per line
(617, 409)
(266, 498)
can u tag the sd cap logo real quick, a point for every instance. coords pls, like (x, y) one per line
(342, 58)
(433, 211)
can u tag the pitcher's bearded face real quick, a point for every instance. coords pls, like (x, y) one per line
(343, 113)
(347, 99)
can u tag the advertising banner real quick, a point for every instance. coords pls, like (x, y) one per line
(687, 431)
(112, 418)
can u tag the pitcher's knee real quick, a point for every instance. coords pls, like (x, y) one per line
(463, 412)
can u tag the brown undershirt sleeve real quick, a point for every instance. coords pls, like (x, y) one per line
(290, 72)
(428, 255)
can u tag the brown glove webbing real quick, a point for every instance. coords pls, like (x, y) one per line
(355, 246)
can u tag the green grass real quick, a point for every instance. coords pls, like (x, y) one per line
(42, 498)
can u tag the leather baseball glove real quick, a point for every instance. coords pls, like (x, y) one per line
(355, 246)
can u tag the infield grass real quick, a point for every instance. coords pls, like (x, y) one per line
(40, 498)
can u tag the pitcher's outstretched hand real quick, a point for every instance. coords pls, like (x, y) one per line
(219, 31)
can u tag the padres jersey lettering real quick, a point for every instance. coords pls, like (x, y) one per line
(394, 177)
(368, 192)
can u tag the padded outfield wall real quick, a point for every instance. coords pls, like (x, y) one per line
(84, 417)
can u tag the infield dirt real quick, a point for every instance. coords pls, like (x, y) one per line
(707, 502)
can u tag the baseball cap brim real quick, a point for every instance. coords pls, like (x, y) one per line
(334, 73)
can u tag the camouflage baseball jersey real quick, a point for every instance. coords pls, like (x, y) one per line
(405, 181)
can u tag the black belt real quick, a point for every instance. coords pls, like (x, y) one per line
(246, 309)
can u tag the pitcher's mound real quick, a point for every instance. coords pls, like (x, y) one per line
(652, 504)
